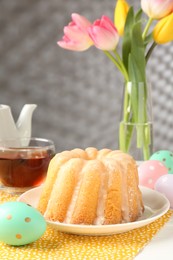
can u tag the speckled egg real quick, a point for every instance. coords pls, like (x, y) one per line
(166, 157)
(150, 171)
(20, 224)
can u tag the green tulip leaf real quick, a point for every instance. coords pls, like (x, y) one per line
(138, 51)
(126, 46)
(138, 15)
(135, 74)
(148, 39)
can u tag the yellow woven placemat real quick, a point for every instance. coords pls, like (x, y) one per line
(56, 245)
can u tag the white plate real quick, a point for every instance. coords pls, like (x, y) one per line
(155, 204)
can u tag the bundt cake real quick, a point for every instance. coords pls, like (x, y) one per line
(91, 186)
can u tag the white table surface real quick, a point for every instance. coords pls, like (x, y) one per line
(161, 246)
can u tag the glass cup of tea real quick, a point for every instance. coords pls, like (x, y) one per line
(24, 163)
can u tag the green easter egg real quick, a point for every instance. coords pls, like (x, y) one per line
(166, 157)
(20, 224)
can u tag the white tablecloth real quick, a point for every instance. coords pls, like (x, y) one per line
(161, 246)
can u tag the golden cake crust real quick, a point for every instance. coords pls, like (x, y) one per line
(91, 187)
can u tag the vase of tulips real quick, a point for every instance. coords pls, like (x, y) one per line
(140, 33)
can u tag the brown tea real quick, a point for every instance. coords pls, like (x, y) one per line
(18, 171)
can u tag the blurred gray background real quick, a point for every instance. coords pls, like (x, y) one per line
(78, 94)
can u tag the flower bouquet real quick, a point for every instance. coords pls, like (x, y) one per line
(139, 36)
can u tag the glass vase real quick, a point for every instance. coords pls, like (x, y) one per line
(136, 124)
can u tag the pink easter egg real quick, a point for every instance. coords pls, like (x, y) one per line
(150, 171)
(164, 185)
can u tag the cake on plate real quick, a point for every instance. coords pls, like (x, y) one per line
(91, 187)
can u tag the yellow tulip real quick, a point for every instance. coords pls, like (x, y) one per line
(120, 14)
(163, 31)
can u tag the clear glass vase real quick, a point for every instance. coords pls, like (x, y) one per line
(136, 124)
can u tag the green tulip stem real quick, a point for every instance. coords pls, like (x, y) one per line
(147, 142)
(150, 20)
(154, 44)
(122, 65)
(126, 128)
(119, 64)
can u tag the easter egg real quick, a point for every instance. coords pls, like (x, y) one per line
(20, 224)
(150, 171)
(166, 157)
(164, 185)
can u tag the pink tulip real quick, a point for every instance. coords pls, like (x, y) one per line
(76, 37)
(157, 9)
(104, 34)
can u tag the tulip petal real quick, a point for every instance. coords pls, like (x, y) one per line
(163, 31)
(76, 35)
(80, 21)
(157, 9)
(102, 38)
(104, 34)
(120, 15)
(72, 32)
